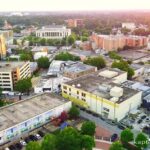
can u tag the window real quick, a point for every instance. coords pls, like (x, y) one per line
(65, 92)
(69, 89)
(83, 94)
(65, 87)
(77, 92)
(106, 109)
(83, 99)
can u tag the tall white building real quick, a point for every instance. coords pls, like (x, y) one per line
(129, 25)
(53, 32)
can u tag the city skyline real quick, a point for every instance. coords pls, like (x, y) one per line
(68, 5)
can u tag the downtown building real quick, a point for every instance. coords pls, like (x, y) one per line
(118, 42)
(103, 93)
(11, 72)
(2, 47)
(53, 32)
(18, 119)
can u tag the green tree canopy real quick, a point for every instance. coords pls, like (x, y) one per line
(26, 55)
(23, 85)
(49, 142)
(65, 56)
(69, 139)
(123, 65)
(127, 135)
(98, 62)
(74, 112)
(43, 62)
(33, 146)
(116, 146)
(141, 141)
(88, 128)
(87, 142)
(114, 55)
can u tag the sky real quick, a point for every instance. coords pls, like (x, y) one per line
(68, 5)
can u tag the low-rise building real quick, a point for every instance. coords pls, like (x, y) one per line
(11, 72)
(102, 95)
(78, 69)
(72, 23)
(21, 117)
(53, 32)
(129, 25)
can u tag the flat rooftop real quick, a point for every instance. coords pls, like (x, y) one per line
(91, 83)
(23, 110)
(78, 67)
(9, 66)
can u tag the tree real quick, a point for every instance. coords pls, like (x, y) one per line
(98, 62)
(74, 112)
(25, 57)
(127, 135)
(123, 65)
(23, 85)
(141, 141)
(87, 142)
(33, 146)
(49, 142)
(14, 41)
(71, 40)
(43, 62)
(65, 56)
(88, 128)
(116, 146)
(114, 55)
(63, 116)
(69, 139)
(43, 42)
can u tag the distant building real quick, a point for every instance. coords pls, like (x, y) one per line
(11, 72)
(116, 42)
(53, 32)
(8, 35)
(20, 118)
(7, 26)
(129, 25)
(87, 45)
(72, 23)
(2, 47)
(38, 55)
(100, 94)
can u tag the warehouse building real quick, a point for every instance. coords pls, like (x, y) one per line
(20, 118)
(102, 95)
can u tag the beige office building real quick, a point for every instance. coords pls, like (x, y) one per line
(10, 73)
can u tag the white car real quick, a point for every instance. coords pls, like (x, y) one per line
(7, 148)
(23, 143)
(38, 136)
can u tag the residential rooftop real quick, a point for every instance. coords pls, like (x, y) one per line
(101, 87)
(23, 110)
(9, 66)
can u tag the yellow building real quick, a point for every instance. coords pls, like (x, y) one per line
(2, 47)
(103, 94)
(11, 72)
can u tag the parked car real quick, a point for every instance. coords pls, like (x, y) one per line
(23, 143)
(111, 122)
(143, 117)
(12, 147)
(41, 133)
(38, 136)
(114, 137)
(18, 146)
(139, 121)
(33, 137)
(27, 139)
(7, 148)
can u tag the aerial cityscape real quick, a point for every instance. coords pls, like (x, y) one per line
(75, 75)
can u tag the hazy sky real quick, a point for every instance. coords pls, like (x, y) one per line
(55, 5)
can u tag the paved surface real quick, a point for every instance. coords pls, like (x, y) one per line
(99, 122)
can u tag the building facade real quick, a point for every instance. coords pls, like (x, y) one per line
(116, 42)
(2, 47)
(72, 23)
(53, 32)
(102, 95)
(20, 118)
(10, 73)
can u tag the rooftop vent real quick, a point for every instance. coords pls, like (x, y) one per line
(116, 91)
(78, 85)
